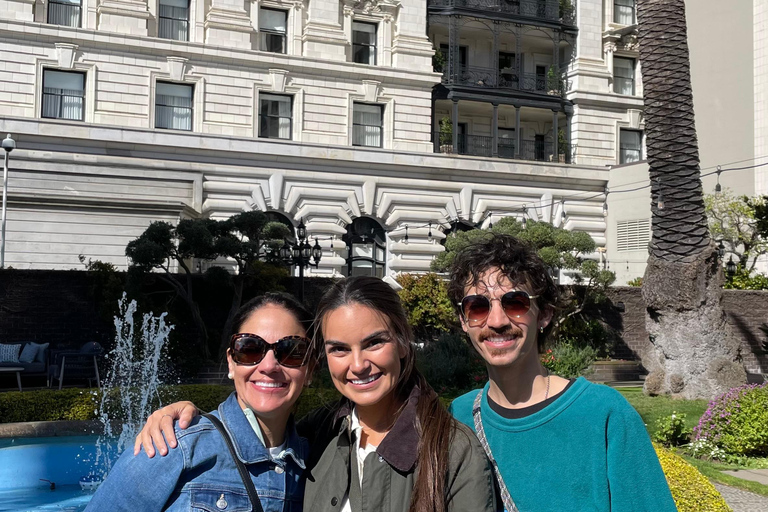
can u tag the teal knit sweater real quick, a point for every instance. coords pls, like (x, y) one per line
(586, 451)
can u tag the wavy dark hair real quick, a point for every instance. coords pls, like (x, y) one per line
(516, 260)
(436, 426)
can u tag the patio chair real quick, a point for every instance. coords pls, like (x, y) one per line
(76, 364)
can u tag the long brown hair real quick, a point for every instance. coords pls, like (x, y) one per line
(433, 421)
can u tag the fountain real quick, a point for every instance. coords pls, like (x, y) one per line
(130, 390)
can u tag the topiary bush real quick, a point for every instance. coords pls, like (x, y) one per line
(737, 421)
(425, 299)
(691, 490)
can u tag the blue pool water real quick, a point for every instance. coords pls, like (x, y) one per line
(63, 460)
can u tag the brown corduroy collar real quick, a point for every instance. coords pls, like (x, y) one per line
(400, 447)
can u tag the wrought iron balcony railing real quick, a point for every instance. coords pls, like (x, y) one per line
(482, 145)
(472, 76)
(548, 10)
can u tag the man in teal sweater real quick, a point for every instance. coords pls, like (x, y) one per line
(557, 444)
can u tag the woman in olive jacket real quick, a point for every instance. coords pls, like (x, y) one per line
(388, 445)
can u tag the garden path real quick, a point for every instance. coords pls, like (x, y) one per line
(743, 501)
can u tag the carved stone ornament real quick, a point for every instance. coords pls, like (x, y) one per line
(371, 89)
(279, 78)
(65, 55)
(372, 6)
(176, 68)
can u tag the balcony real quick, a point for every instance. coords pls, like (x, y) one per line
(540, 10)
(482, 145)
(493, 78)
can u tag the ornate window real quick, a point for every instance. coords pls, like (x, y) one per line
(275, 116)
(273, 29)
(366, 248)
(624, 76)
(63, 95)
(367, 125)
(630, 146)
(173, 106)
(173, 20)
(364, 43)
(65, 12)
(624, 12)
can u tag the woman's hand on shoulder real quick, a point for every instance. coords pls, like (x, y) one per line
(159, 424)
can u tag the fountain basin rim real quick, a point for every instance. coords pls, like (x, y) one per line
(51, 428)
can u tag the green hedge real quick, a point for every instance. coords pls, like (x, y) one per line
(79, 404)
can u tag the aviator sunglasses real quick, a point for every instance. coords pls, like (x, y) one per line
(250, 349)
(476, 308)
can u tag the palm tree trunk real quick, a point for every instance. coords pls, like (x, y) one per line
(693, 353)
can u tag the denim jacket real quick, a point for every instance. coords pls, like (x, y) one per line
(200, 474)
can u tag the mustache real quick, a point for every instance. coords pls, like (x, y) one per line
(511, 332)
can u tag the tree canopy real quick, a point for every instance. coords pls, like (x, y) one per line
(734, 220)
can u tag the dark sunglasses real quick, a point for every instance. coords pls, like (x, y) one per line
(250, 349)
(476, 308)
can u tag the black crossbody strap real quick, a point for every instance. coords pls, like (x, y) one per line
(252, 494)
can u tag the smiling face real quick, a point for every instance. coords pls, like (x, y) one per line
(268, 388)
(363, 354)
(501, 341)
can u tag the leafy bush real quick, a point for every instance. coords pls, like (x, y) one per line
(569, 360)
(671, 430)
(80, 404)
(691, 490)
(737, 421)
(745, 280)
(425, 299)
(582, 331)
(450, 365)
(637, 282)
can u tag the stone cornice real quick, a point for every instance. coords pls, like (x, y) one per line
(95, 40)
(154, 151)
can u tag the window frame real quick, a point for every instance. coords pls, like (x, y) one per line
(84, 74)
(292, 102)
(263, 31)
(191, 107)
(639, 149)
(632, 7)
(381, 125)
(187, 20)
(631, 79)
(79, 13)
(373, 48)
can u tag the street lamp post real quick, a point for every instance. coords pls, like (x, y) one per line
(8, 145)
(301, 253)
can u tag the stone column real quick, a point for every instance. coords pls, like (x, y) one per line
(610, 47)
(227, 24)
(555, 136)
(123, 16)
(386, 40)
(518, 132)
(455, 121)
(495, 130)
(569, 154)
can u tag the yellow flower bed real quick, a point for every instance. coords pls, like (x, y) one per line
(690, 489)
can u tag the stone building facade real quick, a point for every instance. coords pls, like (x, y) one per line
(128, 111)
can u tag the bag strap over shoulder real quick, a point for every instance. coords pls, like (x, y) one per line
(509, 505)
(252, 494)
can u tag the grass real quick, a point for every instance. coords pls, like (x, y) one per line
(652, 408)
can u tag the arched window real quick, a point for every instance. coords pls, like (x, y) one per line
(366, 248)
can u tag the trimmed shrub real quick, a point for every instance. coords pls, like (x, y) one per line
(691, 490)
(425, 299)
(569, 360)
(671, 430)
(81, 404)
(451, 365)
(737, 421)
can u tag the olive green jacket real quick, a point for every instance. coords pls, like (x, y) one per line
(389, 473)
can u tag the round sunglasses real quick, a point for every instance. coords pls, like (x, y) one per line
(250, 349)
(476, 308)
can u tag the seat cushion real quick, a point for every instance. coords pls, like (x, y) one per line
(9, 353)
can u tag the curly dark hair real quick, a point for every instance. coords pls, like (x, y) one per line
(517, 260)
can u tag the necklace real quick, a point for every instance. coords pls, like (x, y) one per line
(546, 394)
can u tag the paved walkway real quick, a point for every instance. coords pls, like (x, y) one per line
(756, 475)
(743, 501)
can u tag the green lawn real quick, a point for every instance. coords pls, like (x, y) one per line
(653, 407)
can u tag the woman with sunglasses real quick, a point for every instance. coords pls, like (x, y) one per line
(388, 445)
(246, 455)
